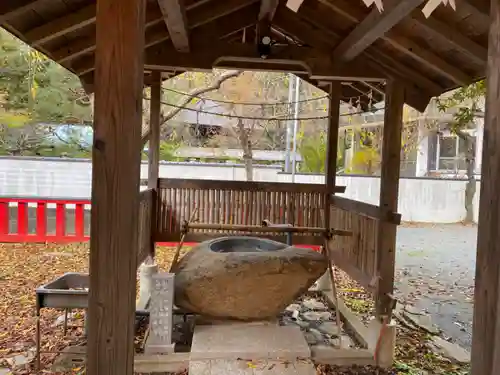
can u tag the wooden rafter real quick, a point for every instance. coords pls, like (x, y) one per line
(266, 15)
(403, 44)
(13, 8)
(174, 15)
(441, 30)
(197, 15)
(373, 27)
(323, 28)
(63, 25)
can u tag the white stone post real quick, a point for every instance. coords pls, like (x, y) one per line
(161, 305)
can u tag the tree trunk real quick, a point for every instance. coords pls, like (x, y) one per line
(246, 146)
(470, 187)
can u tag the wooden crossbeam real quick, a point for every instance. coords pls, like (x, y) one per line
(374, 26)
(314, 63)
(174, 15)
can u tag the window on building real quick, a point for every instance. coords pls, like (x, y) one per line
(450, 153)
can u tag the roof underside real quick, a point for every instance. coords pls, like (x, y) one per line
(324, 40)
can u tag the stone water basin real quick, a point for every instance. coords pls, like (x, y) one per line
(244, 278)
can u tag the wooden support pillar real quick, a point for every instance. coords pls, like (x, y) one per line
(486, 322)
(154, 130)
(332, 144)
(389, 187)
(324, 282)
(116, 158)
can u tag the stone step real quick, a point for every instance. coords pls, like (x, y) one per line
(260, 367)
(250, 341)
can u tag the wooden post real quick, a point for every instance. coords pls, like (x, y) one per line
(154, 127)
(389, 187)
(486, 323)
(324, 282)
(332, 146)
(116, 158)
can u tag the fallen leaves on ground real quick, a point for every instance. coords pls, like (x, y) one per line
(24, 267)
(28, 266)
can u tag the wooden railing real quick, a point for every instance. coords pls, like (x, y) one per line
(238, 202)
(146, 220)
(357, 255)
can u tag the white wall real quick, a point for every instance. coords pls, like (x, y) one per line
(54, 177)
(420, 200)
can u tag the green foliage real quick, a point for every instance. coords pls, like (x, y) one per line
(466, 101)
(36, 91)
(313, 150)
(31, 83)
(168, 149)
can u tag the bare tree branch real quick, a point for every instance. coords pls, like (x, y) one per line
(187, 99)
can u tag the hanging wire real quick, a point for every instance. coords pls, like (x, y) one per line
(306, 118)
(246, 103)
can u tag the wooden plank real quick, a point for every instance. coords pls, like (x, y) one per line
(198, 13)
(174, 15)
(85, 45)
(115, 186)
(441, 30)
(245, 186)
(347, 265)
(405, 45)
(62, 25)
(154, 130)
(373, 27)
(486, 327)
(13, 8)
(366, 209)
(389, 187)
(426, 57)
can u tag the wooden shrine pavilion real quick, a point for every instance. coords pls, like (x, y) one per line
(397, 55)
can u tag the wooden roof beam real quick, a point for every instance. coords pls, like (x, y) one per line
(174, 14)
(403, 44)
(323, 29)
(301, 60)
(441, 30)
(60, 26)
(13, 8)
(373, 27)
(266, 15)
(197, 15)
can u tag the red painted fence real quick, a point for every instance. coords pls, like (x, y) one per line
(16, 210)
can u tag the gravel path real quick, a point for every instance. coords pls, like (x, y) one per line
(435, 272)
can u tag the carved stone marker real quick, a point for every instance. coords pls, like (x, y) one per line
(159, 340)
